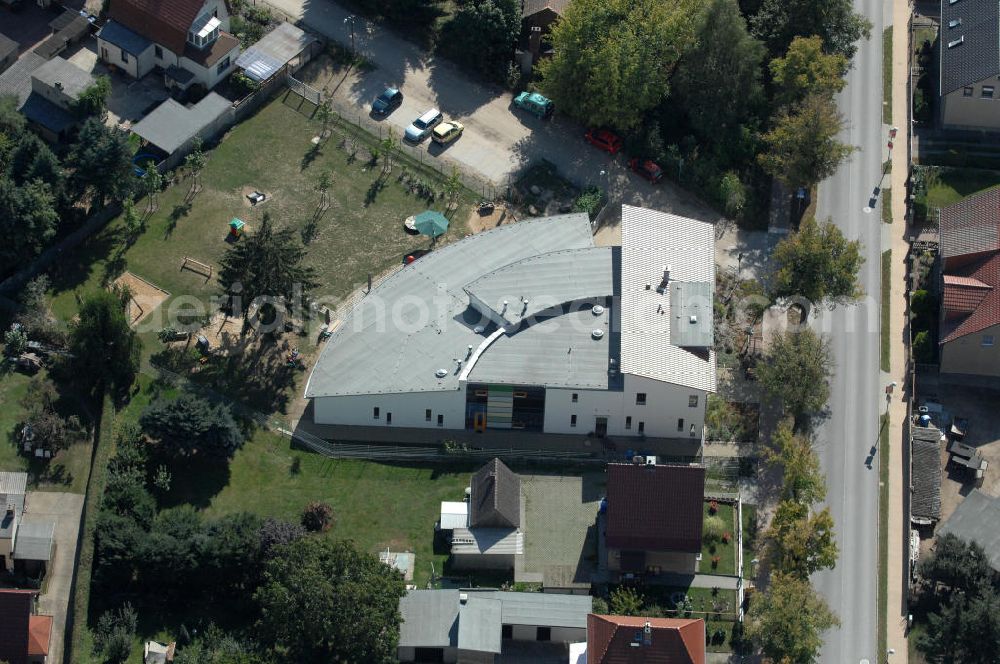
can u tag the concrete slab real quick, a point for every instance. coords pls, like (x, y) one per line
(65, 510)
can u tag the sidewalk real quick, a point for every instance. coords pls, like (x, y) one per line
(898, 525)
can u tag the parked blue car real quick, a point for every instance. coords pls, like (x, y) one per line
(387, 102)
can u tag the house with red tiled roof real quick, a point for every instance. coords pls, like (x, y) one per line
(654, 516)
(187, 40)
(24, 636)
(970, 302)
(629, 640)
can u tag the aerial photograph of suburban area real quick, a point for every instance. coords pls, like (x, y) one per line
(499, 331)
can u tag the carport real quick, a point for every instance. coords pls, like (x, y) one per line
(278, 48)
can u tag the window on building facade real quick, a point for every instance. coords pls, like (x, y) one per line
(375, 412)
(693, 401)
(988, 340)
(640, 398)
(440, 420)
(572, 420)
(642, 427)
(223, 66)
(124, 56)
(987, 92)
(576, 397)
(967, 92)
(159, 52)
(427, 415)
(628, 422)
(680, 424)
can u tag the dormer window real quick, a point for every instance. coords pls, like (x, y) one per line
(204, 31)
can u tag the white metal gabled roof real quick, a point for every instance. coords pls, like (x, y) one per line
(651, 241)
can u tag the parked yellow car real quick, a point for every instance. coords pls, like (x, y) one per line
(446, 132)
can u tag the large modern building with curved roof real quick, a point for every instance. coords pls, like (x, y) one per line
(530, 326)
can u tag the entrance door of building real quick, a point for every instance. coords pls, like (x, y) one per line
(601, 427)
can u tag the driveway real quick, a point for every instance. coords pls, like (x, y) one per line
(497, 141)
(64, 509)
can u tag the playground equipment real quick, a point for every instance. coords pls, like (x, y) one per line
(236, 227)
(198, 267)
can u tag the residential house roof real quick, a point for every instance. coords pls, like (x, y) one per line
(125, 39)
(165, 23)
(542, 609)
(655, 508)
(43, 112)
(39, 632)
(654, 242)
(13, 483)
(496, 497)
(487, 542)
(16, 81)
(613, 639)
(65, 76)
(430, 618)
(970, 42)
(34, 540)
(479, 624)
(15, 621)
(970, 247)
(7, 47)
(171, 125)
(925, 455)
(531, 7)
(453, 515)
(977, 519)
(211, 54)
(273, 51)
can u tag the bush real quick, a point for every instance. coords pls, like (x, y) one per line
(589, 201)
(16, 341)
(923, 349)
(317, 517)
(242, 84)
(713, 529)
(713, 507)
(114, 633)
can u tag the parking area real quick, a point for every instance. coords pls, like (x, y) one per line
(979, 406)
(560, 512)
(64, 509)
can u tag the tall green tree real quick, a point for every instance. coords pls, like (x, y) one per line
(94, 99)
(191, 426)
(105, 349)
(101, 163)
(717, 80)
(787, 621)
(817, 263)
(796, 369)
(613, 59)
(481, 35)
(266, 266)
(803, 146)
(778, 22)
(806, 69)
(803, 541)
(802, 479)
(28, 221)
(325, 601)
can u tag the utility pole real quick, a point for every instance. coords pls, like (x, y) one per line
(350, 21)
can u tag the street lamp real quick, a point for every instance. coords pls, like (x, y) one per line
(350, 22)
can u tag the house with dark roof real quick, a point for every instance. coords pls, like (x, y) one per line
(969, 40)
(188, 40)
(970, 303)
(628, 640)
(476, 625)
(24, 635)
(977, 519)
(485, 531)
(654, 516)
(926, 444)
(8, 52)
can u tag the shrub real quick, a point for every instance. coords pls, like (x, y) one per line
(713, 507)
(317, 517)
(726, 537)
(16, 341)
(589, 201)
(713, 529)
(923, 349)
(715, 561)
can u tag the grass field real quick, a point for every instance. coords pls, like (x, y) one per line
(361, 233)
(885, 338)
(725, 552)
(953, 184)
(887, 75)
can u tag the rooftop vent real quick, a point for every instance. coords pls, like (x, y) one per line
(954, 23)
(479, 329)
(956, 42)
(597, 333)
(441, 373)
(597, 310)
(693, 319)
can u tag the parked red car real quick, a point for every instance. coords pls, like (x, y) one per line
(646, 168)
(605, 140)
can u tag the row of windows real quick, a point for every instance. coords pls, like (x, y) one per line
(642, 425)
(640, 399)
(428, 416)
(985, 93)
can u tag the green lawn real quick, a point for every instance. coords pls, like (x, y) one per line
(749, 539)
(361, 233)
(716, 606)
(725, 552)
(953, 184)
(887, 205)
(887, 75)
(883, 532)
(67, 471)
(886, 336)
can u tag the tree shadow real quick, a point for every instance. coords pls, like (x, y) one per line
(377, 185)
(181, 210)
(311, 155)
(194, 481)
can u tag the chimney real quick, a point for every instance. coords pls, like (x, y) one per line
(535, 42)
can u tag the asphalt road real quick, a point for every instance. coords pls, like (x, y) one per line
(845, 437)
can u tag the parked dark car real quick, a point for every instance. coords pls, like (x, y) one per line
(387, 102)
(605, 140)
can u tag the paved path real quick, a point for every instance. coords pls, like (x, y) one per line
(898, 521)
(497, 141)
(851, 428)
(64, 509)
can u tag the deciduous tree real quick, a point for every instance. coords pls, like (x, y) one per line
(325, 601)
(805, 69)
(817, 263)
(802, 479)
(28, 221)
(802, 148)
(787, 621)
(778, 22)
(105, 350)
(613, 59)
(796, 370)
(481, 36)
(803, 541)
(192, 426)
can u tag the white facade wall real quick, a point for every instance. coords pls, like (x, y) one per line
(209, 76)
(408, 409)
(666, 404)
(138, 64)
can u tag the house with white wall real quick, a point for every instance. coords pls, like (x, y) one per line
(532, 327)
(187, 40)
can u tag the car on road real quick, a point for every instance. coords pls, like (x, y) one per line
(604, 139)
(387, 102)
(646, 168)
(422, 126)
(446, 132)
(535, 104)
